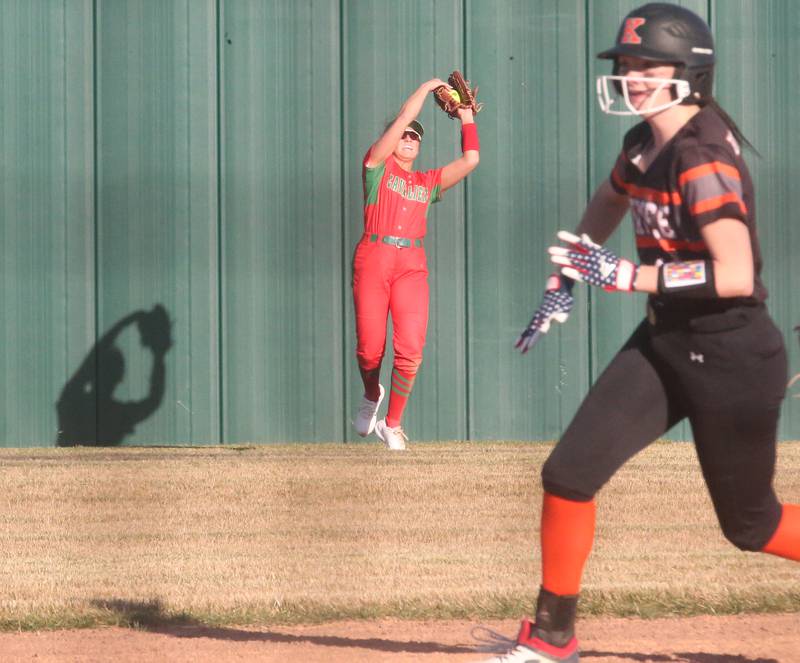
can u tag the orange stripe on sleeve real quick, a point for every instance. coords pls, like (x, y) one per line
(708, 169)
(718, 201)
(618, 180)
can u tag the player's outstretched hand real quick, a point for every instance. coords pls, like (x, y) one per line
(583, 260)
(556, 305)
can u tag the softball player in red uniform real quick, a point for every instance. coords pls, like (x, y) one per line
(390, 272)
(707, 351)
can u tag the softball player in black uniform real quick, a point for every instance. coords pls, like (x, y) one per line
(707, 350)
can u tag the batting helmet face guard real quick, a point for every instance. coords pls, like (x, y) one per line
(663, 33)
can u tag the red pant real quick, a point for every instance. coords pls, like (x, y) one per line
(390, 279)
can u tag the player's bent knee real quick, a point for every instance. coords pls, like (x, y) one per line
(409, 365)
(563, 484)
(751, 537)
(369, 361)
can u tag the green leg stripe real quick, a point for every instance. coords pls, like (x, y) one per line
(400, 385)
(402, 381)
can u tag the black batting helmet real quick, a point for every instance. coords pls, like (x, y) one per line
(663, 32)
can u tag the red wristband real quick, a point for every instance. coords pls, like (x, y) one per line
(469, 137)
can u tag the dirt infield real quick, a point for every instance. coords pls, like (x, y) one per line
(739, 639)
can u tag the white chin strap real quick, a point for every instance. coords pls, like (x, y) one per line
(608, 95)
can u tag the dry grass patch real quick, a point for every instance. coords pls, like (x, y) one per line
(314, 532)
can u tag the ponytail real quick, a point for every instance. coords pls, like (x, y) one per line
(737, 133)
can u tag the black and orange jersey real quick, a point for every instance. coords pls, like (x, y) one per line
(698, 177)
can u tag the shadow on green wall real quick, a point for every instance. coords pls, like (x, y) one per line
(88, 414)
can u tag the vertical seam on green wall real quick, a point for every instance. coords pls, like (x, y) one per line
(589, 140)
(220, 253)
(187, 15)
(65, 174)
(96, 206)
(467, 187)
(343, 214)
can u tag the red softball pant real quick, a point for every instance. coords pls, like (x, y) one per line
(388, 279)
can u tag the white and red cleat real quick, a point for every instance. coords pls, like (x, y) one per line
(531, 649)
(367, 414)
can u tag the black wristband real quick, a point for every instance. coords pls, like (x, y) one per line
(693, 279)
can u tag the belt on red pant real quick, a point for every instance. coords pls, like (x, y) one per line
(399, 242)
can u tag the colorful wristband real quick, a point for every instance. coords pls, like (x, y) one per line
(691, 279)
(469, 137)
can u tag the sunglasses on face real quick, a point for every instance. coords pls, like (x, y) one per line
(410, 135)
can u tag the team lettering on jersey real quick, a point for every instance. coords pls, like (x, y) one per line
(417, 192)
(651, 219)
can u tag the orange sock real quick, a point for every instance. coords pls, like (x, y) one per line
(786, 540)
(567, 537)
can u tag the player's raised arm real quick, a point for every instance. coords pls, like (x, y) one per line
(457, 170)
(458, 100)
(386, 144)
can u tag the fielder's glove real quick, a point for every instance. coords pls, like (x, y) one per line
(556, 305)
(583, 260)
(458, 95)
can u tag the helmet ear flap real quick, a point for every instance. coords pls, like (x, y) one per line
(701, 81)
(702, 84)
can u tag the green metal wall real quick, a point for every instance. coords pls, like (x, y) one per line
(46, 210)
(157, 167)
(204, 155)
(283, 263)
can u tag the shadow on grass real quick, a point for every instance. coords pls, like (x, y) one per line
(376, 644)
(142, 614)
(151, 616)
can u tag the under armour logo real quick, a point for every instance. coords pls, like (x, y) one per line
(696, 356)
(629, 34)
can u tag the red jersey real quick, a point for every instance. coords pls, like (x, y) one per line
(698, 177)
(395, 201)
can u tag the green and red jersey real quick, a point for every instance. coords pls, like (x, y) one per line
(697, 178)
(395, 201)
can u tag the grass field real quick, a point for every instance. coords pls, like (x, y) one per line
(302, 533)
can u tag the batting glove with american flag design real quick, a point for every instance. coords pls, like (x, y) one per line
(583, 260)
(556, 305)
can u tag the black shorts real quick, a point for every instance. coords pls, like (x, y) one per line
(726, 372)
